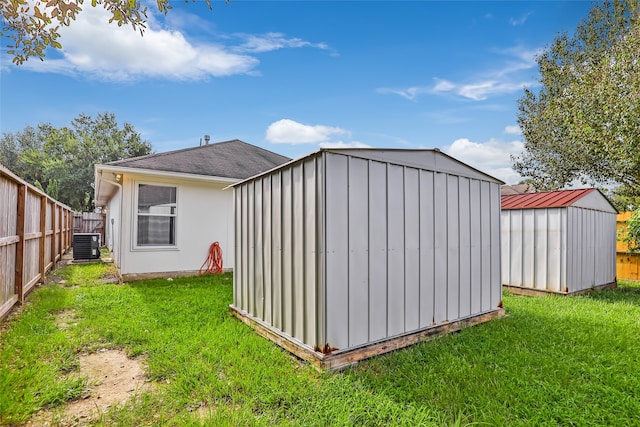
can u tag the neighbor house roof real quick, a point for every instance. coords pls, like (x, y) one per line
(588, 197)
(516, 189)
(228, 159)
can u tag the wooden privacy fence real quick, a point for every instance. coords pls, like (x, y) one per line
(627, 263)
(35, 231)
(89, 222)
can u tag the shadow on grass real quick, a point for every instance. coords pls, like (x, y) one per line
(625, 292)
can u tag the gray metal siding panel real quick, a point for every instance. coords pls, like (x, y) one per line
(494, 262)
(310, 260)
(239, 241)
(337, 261)
(287, 253)
(485, 238)
(464, 306)
(453, 248)
(358, 241)
(427, 256)
(298, 234)
(515, 243)
(476, 249)
(321, 256)
(245, 248)
(250, 250)
(276, 249)
(505, 240)
(257, 255)
(378, 279)
(267, 248)
(528, 248)
(554, 247)
(412, 249)
(395, 224)
(440, 247)
(540, 242)
(574, 249)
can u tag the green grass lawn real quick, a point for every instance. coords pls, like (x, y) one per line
(551, 361)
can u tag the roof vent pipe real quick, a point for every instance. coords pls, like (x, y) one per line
(207, 138)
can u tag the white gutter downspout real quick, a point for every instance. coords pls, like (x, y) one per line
(117, 184)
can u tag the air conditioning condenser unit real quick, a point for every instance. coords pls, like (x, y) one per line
(86, 246)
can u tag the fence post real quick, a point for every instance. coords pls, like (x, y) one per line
(54, 211)
(43, 238)
(59, 216)
(20, 214)
(69, 229)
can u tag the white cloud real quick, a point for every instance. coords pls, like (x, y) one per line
(504, 80)
(519, 21)
(492, 157)
(513, 130)
(287, 131)
(479, 91)
(342, 144)
(410, 93)
(443, 86)
(274, 41)
(95, 48)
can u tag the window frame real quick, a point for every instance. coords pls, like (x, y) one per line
(134, 236)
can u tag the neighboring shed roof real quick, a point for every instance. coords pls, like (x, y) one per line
(587, 197)
(229, 159)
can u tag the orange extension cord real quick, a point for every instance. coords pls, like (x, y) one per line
(213, 261)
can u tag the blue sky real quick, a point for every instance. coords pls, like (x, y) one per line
(293, 76)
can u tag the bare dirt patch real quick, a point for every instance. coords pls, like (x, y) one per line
(113, 379)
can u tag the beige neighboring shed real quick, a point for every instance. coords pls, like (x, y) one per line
(560, 241)
(164, 210)
(348, 253)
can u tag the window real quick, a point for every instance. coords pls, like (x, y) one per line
(156, 215)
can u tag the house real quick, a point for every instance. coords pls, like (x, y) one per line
(559, 242)
(163, 211)
(347, 253)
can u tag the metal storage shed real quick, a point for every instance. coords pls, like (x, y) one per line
(348, 253)
(560, 241)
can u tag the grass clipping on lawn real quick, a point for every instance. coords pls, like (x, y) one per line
(552, 361)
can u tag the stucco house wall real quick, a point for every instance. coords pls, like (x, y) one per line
(200, 214)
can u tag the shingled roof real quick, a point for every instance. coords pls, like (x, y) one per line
(229, 159)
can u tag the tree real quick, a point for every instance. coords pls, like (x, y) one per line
(582, 125)
(631, 234)
(33, 25)
(62, 160)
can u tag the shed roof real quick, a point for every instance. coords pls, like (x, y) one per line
(428, 159)
(229, 159)
(586, 197)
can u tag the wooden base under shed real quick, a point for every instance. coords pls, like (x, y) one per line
(520, 290)
(342, 358)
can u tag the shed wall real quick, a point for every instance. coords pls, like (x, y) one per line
(534, 245)
(591, 248)
(558, 249)
(349, 251)
(407, 249)
(278, 258)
